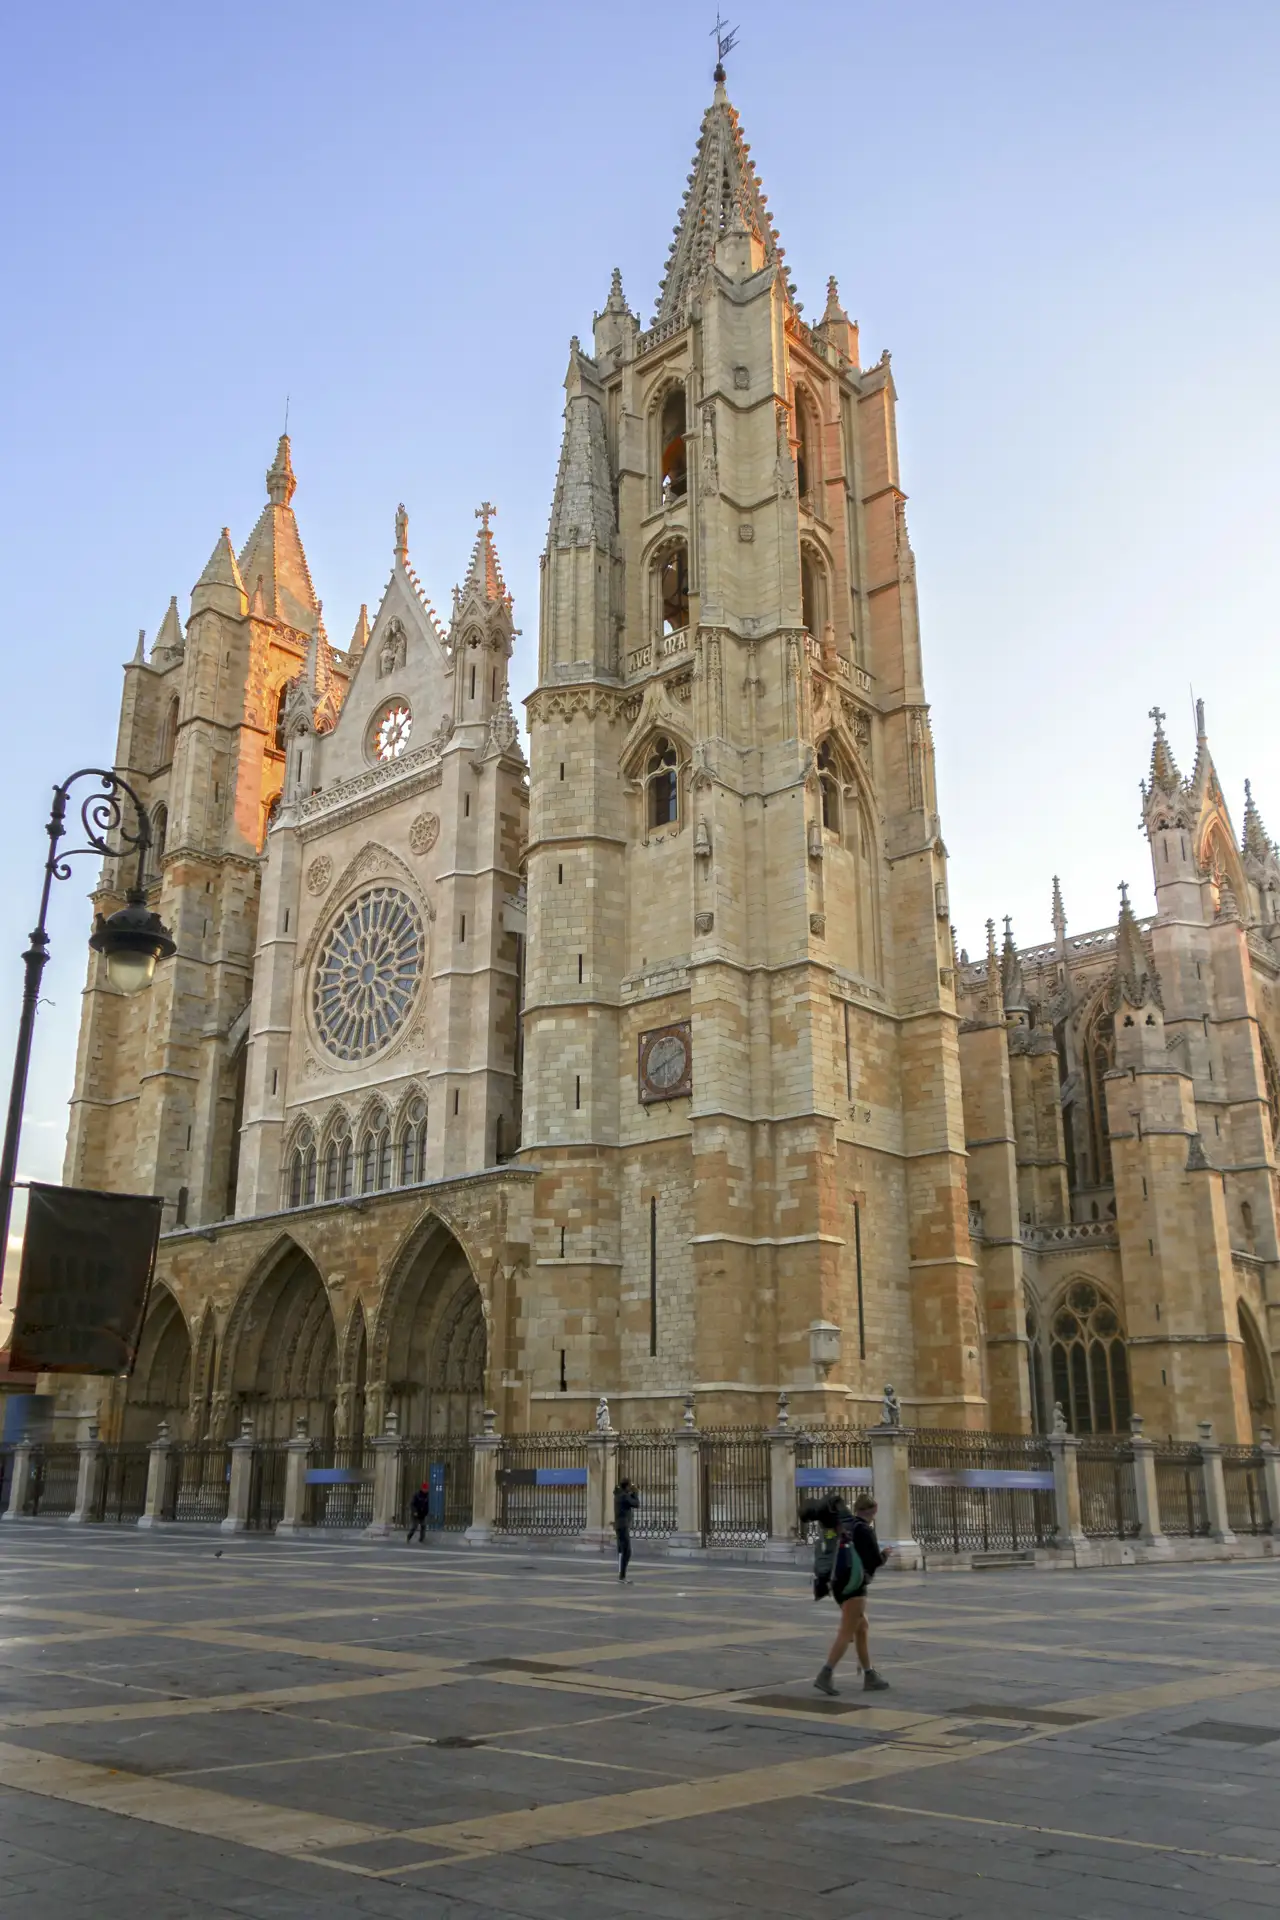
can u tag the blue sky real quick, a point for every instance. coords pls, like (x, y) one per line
(1062, 220)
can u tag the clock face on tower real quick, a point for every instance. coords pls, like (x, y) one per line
(666, 1063)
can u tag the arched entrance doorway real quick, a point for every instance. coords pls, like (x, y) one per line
(1257, 1373)
(431, 1341)
(160, 1388)
(280, 1356)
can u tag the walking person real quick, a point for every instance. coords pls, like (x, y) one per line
(625, 1502)
(419, 1512)
(856, 1556)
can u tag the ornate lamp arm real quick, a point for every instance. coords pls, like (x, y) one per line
(106, 830)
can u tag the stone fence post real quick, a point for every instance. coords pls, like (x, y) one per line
(602, 1463)
(1270, 1478)
(486, 1449)
(891, 1484)
(782, 1480)
(1068, 1532)
(388, 1450)
(20, 1483)
(300, 1449)
(240, 1485)
(89, 1488)
(1146, 1489)
(158, 1458)
(1215, 1487)
(688, 1531)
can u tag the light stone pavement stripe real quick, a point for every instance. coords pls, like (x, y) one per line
(218, 1816)
(1053, 1833)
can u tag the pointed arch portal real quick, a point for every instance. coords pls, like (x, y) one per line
(160, 1388)
(430, 1345)
(280, 1360)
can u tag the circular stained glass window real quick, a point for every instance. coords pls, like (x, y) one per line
(368, 974)
(391, 731)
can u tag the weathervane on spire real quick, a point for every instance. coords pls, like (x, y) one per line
(726, 40)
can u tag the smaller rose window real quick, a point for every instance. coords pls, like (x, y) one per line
(391, 731)
(368, 974)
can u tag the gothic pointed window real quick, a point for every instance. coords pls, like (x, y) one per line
(806, 452)
(169, 733)
(301, 1186)
(1088, 1361)
(813, 592)
(662, 784)
(1271, 1086)
(831, 784)
(1099, 1056)
(673, 454)
(277, 731)
(159, 832)
(331, 1171)
(673, 589)
(411, 1151)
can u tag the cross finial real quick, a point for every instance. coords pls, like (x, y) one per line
(1158, 715)
(1124, 893)
(484, 513)
(1008, 926)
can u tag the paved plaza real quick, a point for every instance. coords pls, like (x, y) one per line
(192, 1727)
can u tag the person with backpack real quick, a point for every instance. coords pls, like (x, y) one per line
(419, 1513)
(846, 1558)
(625, 1502)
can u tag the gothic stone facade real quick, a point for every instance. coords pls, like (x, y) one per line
(650, 1069)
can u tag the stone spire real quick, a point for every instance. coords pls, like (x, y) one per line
(1254, 838)
(1132, 982)
(1202, 774)
(484, 573)
(1166, 799)
(169, 642)
(360, 635)
(1059, 911)
(220, 585)
(582, 512)
(995, 985)
(273, 554)
(722, 196)
(1012, 984)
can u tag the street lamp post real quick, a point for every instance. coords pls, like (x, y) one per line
(132, 939)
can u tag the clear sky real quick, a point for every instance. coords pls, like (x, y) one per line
(1062, 220)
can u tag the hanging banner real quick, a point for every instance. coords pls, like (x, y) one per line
(87, 1262)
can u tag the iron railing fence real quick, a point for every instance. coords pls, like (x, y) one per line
(1180, 1489)
(647, 1458)
(1246, 1483)
(979, 1506)
(198, 1482)
(121, 1492)
(266, 1485)
(843, 1450)
(1108, 1495)
(444, 1465)
(542, 1483)
(339, 1485)
(55, 1476)
(734, 1463)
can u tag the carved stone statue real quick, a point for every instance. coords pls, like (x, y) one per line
(603, 1423)
(891, 1409)
(1059, 1418)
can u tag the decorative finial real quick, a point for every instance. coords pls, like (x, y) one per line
(688, 1410)
(1008, 927)
(726, 39)
(1199, 719)
(402, 534)
(484, 513)
(1124, 896)
(1158, 715)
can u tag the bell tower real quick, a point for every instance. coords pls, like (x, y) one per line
(741, 1064)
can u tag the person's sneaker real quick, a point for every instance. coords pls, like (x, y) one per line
(825, 1684)
(872, 1683)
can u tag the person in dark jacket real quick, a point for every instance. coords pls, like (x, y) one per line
(625, 1502)
(419, 1510)
(859, 1529)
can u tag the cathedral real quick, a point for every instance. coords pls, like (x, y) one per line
(648, 1067)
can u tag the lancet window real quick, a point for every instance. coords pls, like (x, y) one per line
(813, 592)
(673, 454)
(375, 1155)
(301, 1187)
(412, 1145)
(672, 572)
(1088, 1362)
(661, 784)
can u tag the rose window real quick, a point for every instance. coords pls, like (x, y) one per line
(368, 974)
(391, 731)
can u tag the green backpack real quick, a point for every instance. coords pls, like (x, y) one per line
(837, 1568)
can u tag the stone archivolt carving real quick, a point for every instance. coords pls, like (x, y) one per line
(424, 832)
(319, 874)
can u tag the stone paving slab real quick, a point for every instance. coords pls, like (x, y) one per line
(190, 1729)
